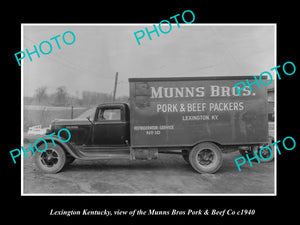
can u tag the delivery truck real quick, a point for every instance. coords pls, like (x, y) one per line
(199, 118)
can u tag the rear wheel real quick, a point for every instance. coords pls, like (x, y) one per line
(52, 160)
(206, 157)
(267, 155)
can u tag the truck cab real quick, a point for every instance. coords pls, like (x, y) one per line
(106, 125)
(110, 125)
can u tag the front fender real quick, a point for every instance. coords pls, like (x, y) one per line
(68, 147)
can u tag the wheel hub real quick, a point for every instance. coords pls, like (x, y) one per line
(49, 158)
(205, 157)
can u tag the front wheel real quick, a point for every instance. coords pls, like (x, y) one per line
(206, 157)
(52, 160)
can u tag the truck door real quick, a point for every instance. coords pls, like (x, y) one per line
(110, 126)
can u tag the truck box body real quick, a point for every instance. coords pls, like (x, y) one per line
(172, 112)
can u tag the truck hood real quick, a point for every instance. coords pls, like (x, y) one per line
(70, 122)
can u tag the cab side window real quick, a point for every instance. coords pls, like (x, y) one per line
(107, 114)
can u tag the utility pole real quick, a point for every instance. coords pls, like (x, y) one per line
(115, 88)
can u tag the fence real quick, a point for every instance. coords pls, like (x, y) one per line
(43, 115)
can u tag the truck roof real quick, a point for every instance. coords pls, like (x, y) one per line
(194, 78)
(112, 104)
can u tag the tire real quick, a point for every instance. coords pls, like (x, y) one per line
(206, 157)
(52, 160)
(185, 155)
(266, 153)
(250, 153)
(244, 152)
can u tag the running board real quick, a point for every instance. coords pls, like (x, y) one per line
(95, 153)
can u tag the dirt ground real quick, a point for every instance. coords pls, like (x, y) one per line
(169, 174)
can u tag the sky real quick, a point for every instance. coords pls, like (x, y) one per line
(99, 51)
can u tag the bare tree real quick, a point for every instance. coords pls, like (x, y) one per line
(41, 94)
(61, 96)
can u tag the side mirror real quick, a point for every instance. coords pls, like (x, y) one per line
(89, 119)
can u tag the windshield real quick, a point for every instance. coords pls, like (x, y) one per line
(89, 112)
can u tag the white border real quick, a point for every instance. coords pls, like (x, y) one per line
(146, 24)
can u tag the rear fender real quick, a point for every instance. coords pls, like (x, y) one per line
(68, 147)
